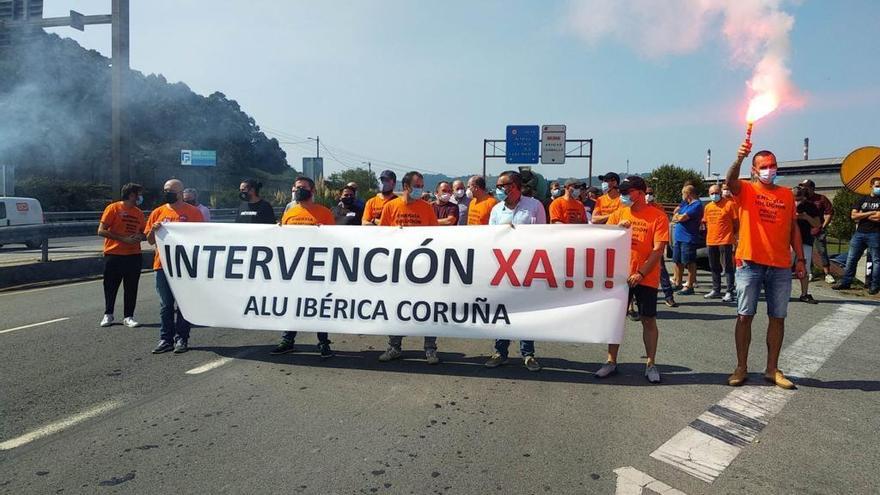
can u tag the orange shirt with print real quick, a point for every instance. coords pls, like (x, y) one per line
(765, 219)
(120, 220)
(166, 214)
(649, 227)
(400, 213)
(567, 211)
(719, 219)
(308, 214)
(480, 210)
(605, 205)
(373, 208)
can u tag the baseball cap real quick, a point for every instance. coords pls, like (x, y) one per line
(808, 183)
(573, 182)
(610, 176)
(633, 182)
(388, 174)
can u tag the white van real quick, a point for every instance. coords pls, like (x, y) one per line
(21, 211)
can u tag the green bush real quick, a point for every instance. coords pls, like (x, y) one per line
(667, 181)
(842, 226)
(65, 195)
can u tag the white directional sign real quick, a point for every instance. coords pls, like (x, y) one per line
(553, 144)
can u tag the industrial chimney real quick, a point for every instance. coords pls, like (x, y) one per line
(806, 148)
(709, 163)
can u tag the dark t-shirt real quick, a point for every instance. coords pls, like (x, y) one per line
(866, 204)
(450, 209)
(810, 209)
(259, 212)
(589, 204)
(345, 216)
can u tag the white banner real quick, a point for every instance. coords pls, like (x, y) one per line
(539, 282)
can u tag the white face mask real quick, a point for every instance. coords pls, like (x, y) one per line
(444, 197)
(649, 198)
(470, 194)
(459, 193)
(767, 175)
(575, 193)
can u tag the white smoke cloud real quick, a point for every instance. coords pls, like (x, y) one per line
(756, 33)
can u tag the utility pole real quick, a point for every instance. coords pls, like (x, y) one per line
(627, 166)
(369, 166)
(317, 141)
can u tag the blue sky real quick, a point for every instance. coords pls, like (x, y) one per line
(421, 84)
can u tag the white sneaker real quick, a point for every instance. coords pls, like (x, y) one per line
(652, 374)
(606, 370)
(829, 279)
(107, 320)
(130, 323)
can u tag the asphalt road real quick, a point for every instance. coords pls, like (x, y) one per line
(59, 249)
(90, 410)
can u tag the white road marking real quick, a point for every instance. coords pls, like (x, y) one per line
(12, 292)
(209, 366)
(631, 481)
(710, 443)
(33, 325)
(59, 425)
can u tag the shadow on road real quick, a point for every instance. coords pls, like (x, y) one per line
(459, 365)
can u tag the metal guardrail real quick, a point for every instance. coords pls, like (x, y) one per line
(217, 215)
(42, 233)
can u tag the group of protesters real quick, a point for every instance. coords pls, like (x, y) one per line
(758, 235)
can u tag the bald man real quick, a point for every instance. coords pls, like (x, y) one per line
(173, 334)
(687, 219)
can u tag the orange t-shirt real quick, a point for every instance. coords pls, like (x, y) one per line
(649, 226)
(400, 213)
(373, 208)
(122, 221)
(719, 218)
(765, 219)
(605, 205)
(308, 214)
(479, 211)
(567, 211)
(165, 214)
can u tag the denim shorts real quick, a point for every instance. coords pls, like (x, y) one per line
(684, 253)
(776, 282)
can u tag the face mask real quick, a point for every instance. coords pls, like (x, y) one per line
(445, 197)
(767, 175)
(726, 193)
(347, 202)
(387, 186)
(301, 195)
(500, 194)
(459, 193)
(140, 200)
(243, 196)
(556, 193)
(191, 202)
(575, 193)
(715, 197)
(877, 191)
(170, 197)
(415, 193)
(625, 200)
(470, 194)
(605, 187)
(649, 198)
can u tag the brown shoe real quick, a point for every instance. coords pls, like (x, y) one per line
(739, 376)
(777, 378)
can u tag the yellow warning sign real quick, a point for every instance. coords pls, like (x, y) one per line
(859, 167)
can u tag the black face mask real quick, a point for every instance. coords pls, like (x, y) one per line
(191, 202)
(244, 196)
(170, 197)
(302, 195)
(347, 201)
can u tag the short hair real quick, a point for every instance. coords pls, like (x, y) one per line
(131, 188)
(479, 181)
(689, 188)
(514, 177)
(409, 176)
(440, 184)
(191, 190)
(347, 188)
(303, 178)
(874, 179)
(762, 153)
(253, 184)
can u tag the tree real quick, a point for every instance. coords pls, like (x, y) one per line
(842, 226)
(365, 180)
(667, 181)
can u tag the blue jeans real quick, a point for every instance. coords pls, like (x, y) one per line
(665, 283)
(857, 245)
(526, 347)
(776, 282)
(169, 329)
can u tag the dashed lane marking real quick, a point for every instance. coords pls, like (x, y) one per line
(56, 320)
